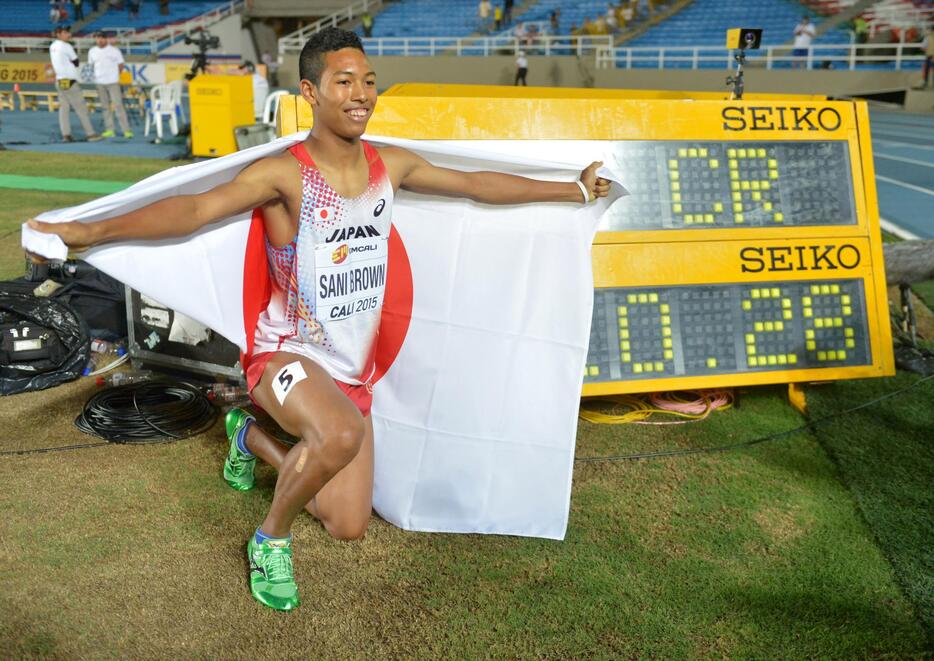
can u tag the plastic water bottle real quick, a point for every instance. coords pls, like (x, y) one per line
(227, 393)
(103, 353)
(123, 378)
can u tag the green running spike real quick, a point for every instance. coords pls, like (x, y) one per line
(238, 467)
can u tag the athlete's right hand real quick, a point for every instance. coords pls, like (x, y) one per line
(77, 236)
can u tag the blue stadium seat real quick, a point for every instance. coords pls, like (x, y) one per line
(427, 18)
(31, 17)
(149, 16)
(26, 17)
(705, 22)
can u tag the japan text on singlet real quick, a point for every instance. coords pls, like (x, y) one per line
(328, 283)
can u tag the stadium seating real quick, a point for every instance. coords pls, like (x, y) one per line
(25, 17)
(31, 17)
(149, 16)
(705, 22)
(573, 14)
(427, 18)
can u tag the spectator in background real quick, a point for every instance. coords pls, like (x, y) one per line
(611, 22)
(927, 44)
(522, 68)
(94, 5)
(804, 35)
(629, 13)
(65, 63)
(520, 32)
(55, 12)
(861, 30)
(507, 12)
(272, 69)
(132, 8)
(260, 87)
(79, 9)
(163, 7)
(366, 21)
(554, 19)
(107, 62)
(497, 18)
(484, 11)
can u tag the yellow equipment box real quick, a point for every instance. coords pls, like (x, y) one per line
(748, 252)
(219, 104)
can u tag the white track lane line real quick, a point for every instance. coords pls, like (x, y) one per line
(894, 143)
(901, 233)
(895, 182)
(903, 159)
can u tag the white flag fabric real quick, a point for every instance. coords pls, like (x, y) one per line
(483, 341)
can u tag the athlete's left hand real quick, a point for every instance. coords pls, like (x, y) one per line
(596, 186)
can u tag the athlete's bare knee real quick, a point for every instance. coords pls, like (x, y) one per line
(339, 443)
(348, 529)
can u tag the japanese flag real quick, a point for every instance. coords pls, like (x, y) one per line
(483, 338)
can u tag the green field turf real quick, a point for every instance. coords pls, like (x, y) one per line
(814, 546)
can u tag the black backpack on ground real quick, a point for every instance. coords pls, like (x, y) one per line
(43, 342)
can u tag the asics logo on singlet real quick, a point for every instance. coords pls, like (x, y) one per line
(354, 232)
(379, 208)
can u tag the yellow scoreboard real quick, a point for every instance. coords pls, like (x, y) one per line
(748, 251)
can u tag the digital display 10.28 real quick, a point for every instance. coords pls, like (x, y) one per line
(657, 332)
(696, 185)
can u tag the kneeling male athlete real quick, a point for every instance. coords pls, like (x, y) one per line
(311, 373)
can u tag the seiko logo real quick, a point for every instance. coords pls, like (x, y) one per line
(799, 258)
(780, 118)
(347, 233)
(379, 208)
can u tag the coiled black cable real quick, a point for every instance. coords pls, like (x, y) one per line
(147, 412)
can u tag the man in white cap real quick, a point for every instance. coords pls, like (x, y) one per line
(65, 63)
(107, 62)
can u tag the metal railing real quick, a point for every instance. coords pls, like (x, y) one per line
(896, 56)
(128, 39)
(481, 46)
(294, 41)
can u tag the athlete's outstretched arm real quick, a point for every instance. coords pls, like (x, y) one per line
(413, 173)
(174, 216)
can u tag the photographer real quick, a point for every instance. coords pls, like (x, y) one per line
(65, 63)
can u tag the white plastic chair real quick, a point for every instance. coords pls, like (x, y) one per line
(163, 102)
(178, 88)
(272, 106)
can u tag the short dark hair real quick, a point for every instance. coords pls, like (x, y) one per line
(311, 61)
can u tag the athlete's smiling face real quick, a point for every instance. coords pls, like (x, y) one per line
(346, 95)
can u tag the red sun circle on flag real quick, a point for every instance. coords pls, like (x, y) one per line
(397, 306)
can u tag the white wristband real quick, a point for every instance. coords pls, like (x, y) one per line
(580, 184)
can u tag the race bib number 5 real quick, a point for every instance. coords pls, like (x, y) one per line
(286, 379)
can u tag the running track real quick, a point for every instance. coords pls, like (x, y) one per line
(903, 150)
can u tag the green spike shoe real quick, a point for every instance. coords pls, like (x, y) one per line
(271, 579)
(238, 467)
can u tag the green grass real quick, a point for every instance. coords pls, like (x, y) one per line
(138, 552)
(886, 458)
(105, 168)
